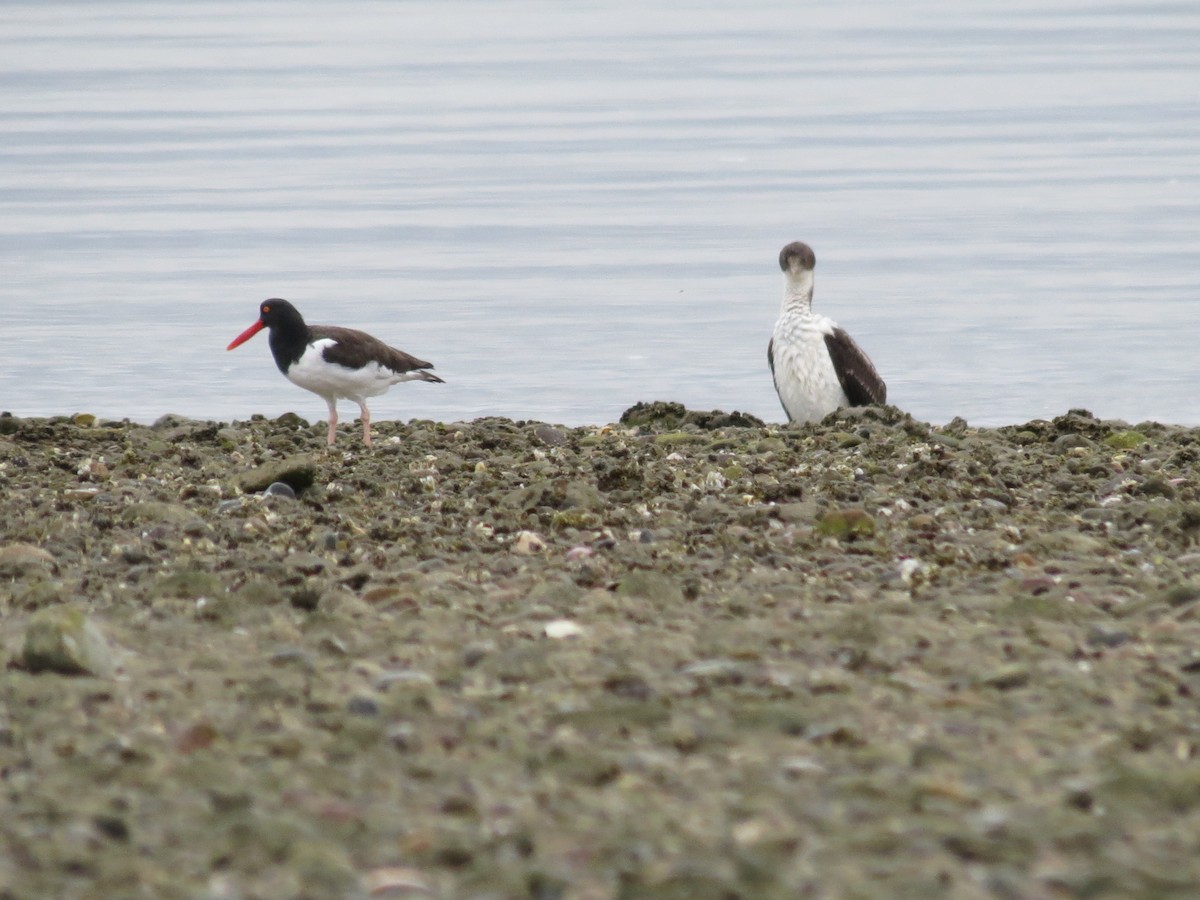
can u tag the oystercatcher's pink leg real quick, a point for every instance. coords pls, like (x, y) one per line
(332, 420)
(366, 419)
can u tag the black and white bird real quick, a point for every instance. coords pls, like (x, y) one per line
(816, 365)
(333, 362)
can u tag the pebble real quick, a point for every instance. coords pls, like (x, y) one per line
(362, 706)
(63, 640)
(528, 543)
(716, 671)
(404, 737)
(403, 678)
(1009, 676)
(396, 881)
(550, 436)
(652, 586)
(846, 524)
(297, 471)
(1099, 636)
(562, 628)
(17, 560)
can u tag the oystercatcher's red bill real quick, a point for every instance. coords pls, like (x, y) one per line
(246, 335)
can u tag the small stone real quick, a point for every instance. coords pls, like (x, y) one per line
(1182, 594)
(295, 657)
(189, 584)
(112, 827)
(846, 524)
(652, 586)
(17, 560)
(1006, 677)
(305, 599)
(528, 543)
(333, 645)
(1066, 442)
(362, 706)
(403, 678)
(403, 736)
(64, 640)
(562, 628)
(308, 564)
(550, 436)
(298, 472)
(196, 736)
(716, 671)
(1099, 636)
(396, 881)
(912, 569)
(796, 512)
(81, 493)
(475, 653)
(325, 541)
(152, 513)
(799, 766)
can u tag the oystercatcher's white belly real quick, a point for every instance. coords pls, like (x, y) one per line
(329, 380)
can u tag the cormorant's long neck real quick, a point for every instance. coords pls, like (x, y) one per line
(797, 293)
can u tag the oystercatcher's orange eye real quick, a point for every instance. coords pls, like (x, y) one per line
(266, 309)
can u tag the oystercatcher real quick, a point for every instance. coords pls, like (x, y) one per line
(816, 365)
(333, 362)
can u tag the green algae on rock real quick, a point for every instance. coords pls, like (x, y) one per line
(846, 524)
(63, 640)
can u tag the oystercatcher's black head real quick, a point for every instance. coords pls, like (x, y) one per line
(797, 254)
(274, 313)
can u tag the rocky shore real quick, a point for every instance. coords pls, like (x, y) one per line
(686, 655)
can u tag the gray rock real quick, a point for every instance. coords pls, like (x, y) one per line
(550, 436)
(653, 586)
(63, 640)
(298, 472)
(17, 560)
(172, 515)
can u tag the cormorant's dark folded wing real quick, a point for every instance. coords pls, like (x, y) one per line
(860, 381)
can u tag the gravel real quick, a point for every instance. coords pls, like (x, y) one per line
(687, 654)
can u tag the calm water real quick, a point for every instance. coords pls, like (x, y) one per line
(573, 207)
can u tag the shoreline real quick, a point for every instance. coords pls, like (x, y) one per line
(685, 654)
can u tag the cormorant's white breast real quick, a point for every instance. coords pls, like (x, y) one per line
(817, 367)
